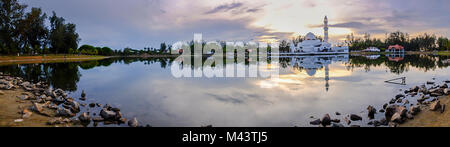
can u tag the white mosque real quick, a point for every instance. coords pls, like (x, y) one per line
(312, 45)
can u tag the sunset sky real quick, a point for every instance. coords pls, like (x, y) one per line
(146, 23)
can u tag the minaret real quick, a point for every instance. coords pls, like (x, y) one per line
(325, 29)
(327, 78)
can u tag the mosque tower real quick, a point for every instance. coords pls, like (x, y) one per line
(325, 29)
(327, 78)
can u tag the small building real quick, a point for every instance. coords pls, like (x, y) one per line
(371, 49)
(395, 49)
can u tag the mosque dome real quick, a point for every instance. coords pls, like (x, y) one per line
(310, 36)
(311, 72)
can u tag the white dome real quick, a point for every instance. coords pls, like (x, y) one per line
(310, 36)
(311, 72)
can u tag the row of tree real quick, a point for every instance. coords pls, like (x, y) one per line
(424, 42)
(26, 33)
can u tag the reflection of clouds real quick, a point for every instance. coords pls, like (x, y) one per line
(153, 96)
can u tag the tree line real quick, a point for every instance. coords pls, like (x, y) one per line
(423, 42)
(26, 32)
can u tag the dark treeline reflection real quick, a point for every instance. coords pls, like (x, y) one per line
(67, 75)
(401, 65)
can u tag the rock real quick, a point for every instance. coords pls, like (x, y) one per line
(92, 105)
(436, 105)
(381, 110)
(83, 95)
(406, 102)
(75, 120)
(390, 110)
(99, 105)
(414, 89)
(430, 82)
(64, 112)
(401, 110)
(385, 105)
(409, 116)
(75, 107)
(122, 120)
(97, 119)
(115, 109)
(326, 120)
(107, 106)
(397, 118)
(315, 122)
(447, 81)
(383, 122)
(54, 121)
(399, 101)
(414, 109)
(399, 96)
(392, 101)
(423, 98)
(84, 117)
(336, 120)
(347, 121)
(118, 115)
(59, 100)
(434, 94)
(24, 97)
(52, 106)
(337, 125)
(444, 85)
(37, 107)
(337, 113)
(26, 113)
(393, 124)
(82, 98)
(107, 115)
(371, 111)
(446, 91)
(18, 120)
(355, 117)
(133, 122)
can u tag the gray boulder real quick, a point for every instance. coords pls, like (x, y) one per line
(355, 117)
(133, 122)
(107, 115)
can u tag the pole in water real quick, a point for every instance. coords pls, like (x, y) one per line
(391, 81)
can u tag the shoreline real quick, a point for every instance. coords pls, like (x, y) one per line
(10, 60)
(429, 118)
(26, 104)
(419, 106)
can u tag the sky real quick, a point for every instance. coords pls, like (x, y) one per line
(147, 23)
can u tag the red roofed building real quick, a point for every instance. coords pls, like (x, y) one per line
(396, 49)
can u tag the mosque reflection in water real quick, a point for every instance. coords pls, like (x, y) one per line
(311, 64)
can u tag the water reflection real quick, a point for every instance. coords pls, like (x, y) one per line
(66, 75)
(307, 85)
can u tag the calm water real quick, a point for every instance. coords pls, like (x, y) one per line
(307, 86)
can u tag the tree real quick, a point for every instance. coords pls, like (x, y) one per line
(11, 13)
(34, 29)
(62, 36)
(163, 48)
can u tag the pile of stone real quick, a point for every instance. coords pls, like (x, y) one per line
(399, 109)
(59, 106)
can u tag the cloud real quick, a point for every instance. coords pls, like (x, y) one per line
(145, 23)
(224, 8)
